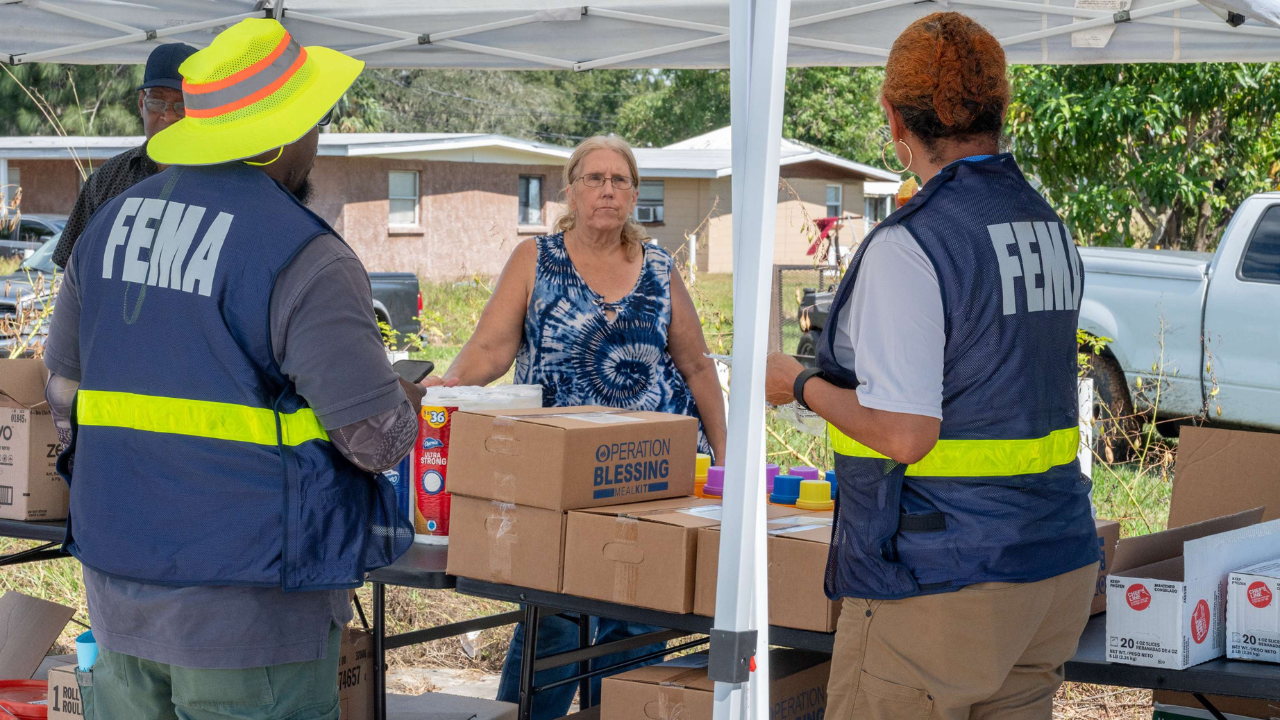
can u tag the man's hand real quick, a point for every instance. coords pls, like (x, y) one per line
(780, 377)
(436, 380)
(415, 393)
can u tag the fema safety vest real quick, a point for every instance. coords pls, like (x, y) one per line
(1000, 498)
(196, 461)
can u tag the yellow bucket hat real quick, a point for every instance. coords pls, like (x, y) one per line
(253, 89)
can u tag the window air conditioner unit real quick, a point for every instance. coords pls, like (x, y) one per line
(645, 214)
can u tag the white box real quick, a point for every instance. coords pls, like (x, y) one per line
(1253, 613)
(1170, 611)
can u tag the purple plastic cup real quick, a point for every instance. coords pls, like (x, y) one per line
(771, 471)
(806, 473)
(715, 482)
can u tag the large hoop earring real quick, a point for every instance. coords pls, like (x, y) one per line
(884, 153)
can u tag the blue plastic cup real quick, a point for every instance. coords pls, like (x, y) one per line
(86, 650)
(786, 490)
(831, 478)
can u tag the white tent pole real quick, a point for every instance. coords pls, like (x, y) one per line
(84, 17)
(652, 20)
(664, 50)
(742, 602)
(1134, 16)
(850, 12)
(140, 36)
(841, 47)
(515, 55)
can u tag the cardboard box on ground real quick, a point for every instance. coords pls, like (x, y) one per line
(30, 488)
(680, 689)
(798, 547)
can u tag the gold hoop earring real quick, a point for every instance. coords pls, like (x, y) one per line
(884, 153)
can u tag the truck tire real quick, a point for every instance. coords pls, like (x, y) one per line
(807, 348)
(1116, 427)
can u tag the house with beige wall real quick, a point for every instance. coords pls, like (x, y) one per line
(454, 205)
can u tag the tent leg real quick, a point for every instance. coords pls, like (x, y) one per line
(758, 53)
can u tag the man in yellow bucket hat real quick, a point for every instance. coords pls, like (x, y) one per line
(233, 405)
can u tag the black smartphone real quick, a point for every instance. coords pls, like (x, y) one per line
(413, 370)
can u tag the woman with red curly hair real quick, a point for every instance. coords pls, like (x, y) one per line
(964, 549)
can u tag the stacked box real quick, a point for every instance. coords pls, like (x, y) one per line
(1253, 613)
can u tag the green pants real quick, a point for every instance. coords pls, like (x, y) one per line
(123, 687)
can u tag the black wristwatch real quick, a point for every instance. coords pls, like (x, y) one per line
(797, 389)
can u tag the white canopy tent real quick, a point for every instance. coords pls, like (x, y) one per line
(757, 39)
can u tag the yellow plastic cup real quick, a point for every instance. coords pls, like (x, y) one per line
(815, 495)
(700, 466)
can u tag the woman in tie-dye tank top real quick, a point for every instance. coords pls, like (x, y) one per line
(597, 316)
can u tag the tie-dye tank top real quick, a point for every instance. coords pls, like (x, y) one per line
(581, 357)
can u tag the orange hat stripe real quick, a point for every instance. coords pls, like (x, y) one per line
(255, 97)
(234, 78)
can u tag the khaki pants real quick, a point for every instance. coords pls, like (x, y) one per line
(993, 650)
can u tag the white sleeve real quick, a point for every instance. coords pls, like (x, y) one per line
(896, 327)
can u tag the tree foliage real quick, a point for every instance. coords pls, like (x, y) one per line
(1148, 154)
(82, 99)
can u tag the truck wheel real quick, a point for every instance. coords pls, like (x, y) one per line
(1115, 425)
(807, 349)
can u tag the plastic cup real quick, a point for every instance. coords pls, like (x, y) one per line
(86, 650)
(786, 490)
(715, 482)
(815, 495)
(700, 466)
(806, 473)
(771, 471)
(835, 487)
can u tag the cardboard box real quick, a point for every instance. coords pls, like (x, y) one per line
(30, 488)
(680, 689)
(1166, 597)
(504, 543)
(64, 694)
(1253, 613)
(1220, 472)
(355, 674)
(640, 554)
(571, 458)
(1108, 536)
(798, 547)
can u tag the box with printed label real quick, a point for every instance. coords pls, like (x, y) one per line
(798, 546)
(64, 694)
(1167, 593)
(572, 458)
(680, 688)
(1253, 613)
(355, 675)
(509, 544)
(638, 554)
(1108, 536)
(30, 488)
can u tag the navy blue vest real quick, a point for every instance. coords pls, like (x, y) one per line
(196, 461)
(1001, 499)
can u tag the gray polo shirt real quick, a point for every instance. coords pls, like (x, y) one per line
(326, 339)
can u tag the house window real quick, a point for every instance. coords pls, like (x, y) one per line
(402, 190)
(878, 207)
(15, 182)
(835, 200)
(649, 200)
(530, 200)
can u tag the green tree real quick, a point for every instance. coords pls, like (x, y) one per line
(77, 99)
(1148, 154)
(685, 103)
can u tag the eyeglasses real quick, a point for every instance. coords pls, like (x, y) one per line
(619, 182)
(158, 106)
(328, 118)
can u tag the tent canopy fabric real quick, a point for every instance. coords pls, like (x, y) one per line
(548, 34)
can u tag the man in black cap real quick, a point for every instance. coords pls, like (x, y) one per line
(160, 104)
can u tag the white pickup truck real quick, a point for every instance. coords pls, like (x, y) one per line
(1197, 321)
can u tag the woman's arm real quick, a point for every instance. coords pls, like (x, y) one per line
(688, 349)
(492, 348)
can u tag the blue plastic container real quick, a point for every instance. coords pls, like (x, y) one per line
(831, 478)
(786, 490)
(86, 650)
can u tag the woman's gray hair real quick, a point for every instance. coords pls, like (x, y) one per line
(633, 235)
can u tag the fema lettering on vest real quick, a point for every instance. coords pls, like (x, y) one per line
(1053, 258)
(156, 236)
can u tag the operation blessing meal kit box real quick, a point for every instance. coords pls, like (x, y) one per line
(514, 474)
(1108, 536)
(30, 488)
(1167, 594)
(679, 689)
(798, 546)
(1253, 612)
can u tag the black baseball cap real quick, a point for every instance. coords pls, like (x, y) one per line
(162, 66)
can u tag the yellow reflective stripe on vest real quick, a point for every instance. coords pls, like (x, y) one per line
(979, 458)
(197, 418)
